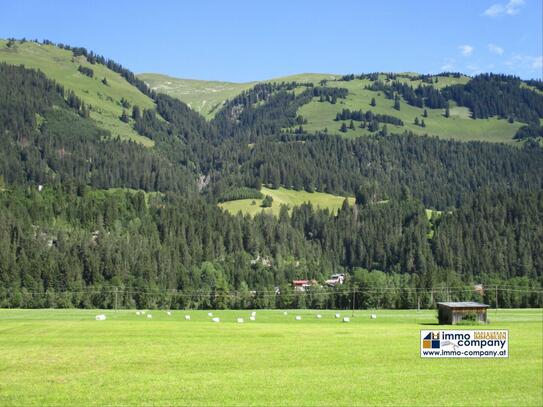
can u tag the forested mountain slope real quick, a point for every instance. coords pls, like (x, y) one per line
(104, 91)
(85, 213)
(447, 105)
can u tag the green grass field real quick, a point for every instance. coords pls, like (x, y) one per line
(66, 357)
(458, 126)
(283, 196)
(207, 97)
(61, 66)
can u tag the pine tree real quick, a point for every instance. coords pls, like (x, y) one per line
(425, 114)
(343, 128)
(136, 113)
(351, 125)
(397, 102)
(124, 117)
(373, 103)
(267, 202)
(373, 126)
(422, 123)
(416, 121)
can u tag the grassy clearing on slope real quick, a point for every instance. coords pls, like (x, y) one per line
(458, 126)
(61, 66)
(207, 97)
(283, 196)
(65, 357)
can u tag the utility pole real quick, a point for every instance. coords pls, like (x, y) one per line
(496, 298)
(353, 300)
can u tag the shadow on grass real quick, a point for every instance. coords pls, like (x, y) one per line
(429, 323)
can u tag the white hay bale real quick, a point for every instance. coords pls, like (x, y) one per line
(373, 316)
(346, 319)
(169, 313)
(252, 318)
(319, 316)
(298, 318)
(187, 317)
(285, 313)
(240, 321)
(149, 316)
(216, 319)
(209, 314)
(142, 312)
(138, 313)
(100, 317)
(253, 314)
(338, 316)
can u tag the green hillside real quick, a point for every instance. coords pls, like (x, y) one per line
(284, 196)
(207, 97)
(105, 100)
(459, 126)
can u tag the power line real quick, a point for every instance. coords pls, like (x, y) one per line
(264, 293)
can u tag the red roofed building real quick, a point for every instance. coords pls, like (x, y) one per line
(300, 285)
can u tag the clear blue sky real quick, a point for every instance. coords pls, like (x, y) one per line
(249, 40)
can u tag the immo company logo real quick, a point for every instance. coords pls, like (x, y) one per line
(431, 341)
(464, 344)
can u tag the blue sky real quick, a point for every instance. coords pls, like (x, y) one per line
(249, 40)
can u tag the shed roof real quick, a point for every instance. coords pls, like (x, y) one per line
(463, 304)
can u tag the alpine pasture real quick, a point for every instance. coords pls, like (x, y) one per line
(459, 126)
(207, 97)
(284, 196)
(51, 357)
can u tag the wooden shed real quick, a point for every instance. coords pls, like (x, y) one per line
(453, 312)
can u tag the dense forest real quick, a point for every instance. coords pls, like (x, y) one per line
(77, 248)
(86, 240)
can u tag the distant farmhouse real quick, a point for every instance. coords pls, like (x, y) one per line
(453, 312)
(335, 279)
(301, 285)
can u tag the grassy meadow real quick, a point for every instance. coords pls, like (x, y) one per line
(66, 357)
(283, 196)
(458, 126)
(207, 97)
(61, 66)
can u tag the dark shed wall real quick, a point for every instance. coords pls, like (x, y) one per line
(453, 315)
